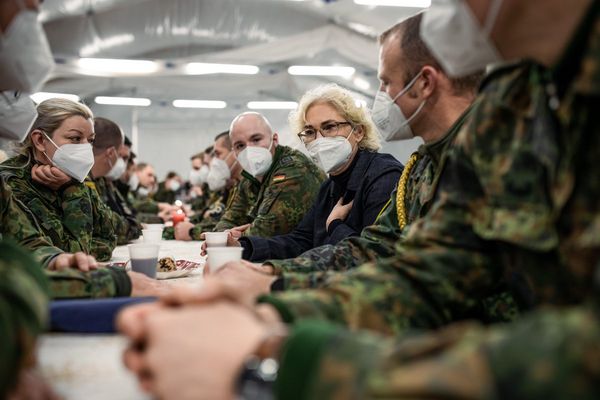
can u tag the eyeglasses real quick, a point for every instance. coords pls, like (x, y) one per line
(328, 129)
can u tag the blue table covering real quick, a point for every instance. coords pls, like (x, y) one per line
(89, 315)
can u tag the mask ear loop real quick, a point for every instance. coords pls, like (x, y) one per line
(51, 141)
(408, 86)
(490, 20)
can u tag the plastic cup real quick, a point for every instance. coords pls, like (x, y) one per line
(219, 256)
(144, 257)
(215, 239)
(152, 235)
(153, 226)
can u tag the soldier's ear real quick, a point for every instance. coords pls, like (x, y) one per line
(37, 140)
(275, 139)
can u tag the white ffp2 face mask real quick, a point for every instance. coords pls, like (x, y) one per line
(25, 57)
(17, 115)
(219, 173)
(457, 40)
(330, 153)
(133, 182)
(256, 160)
(116, 170)
(75, 160)
(389, 118)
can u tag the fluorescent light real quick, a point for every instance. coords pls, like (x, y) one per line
(395, 3)
(272, 105)
(208, 68)
(320, 70)
(199, 104)
(117, 66)
(361, 83)
(42, 96)
(360, 103)
(123, 101)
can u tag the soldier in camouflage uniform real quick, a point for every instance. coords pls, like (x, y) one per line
(274, 202)
(69, 213)
(109, 166)
(223, 178)
(506, 210)
(270, 203)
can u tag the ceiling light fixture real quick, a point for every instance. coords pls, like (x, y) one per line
(42, 96)
(117, 66)
(272, 105)
(195, 68)
(395, 3)
(320, 70)
(361, 83)
(199, 104)
(123, 101)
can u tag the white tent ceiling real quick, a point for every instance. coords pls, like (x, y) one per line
(271, 34)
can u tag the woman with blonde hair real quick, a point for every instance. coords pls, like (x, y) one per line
(341, 138)
(48, 175)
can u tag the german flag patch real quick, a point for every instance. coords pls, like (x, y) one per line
(278, 178)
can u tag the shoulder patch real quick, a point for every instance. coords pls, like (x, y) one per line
(278, 178)
(286, 160)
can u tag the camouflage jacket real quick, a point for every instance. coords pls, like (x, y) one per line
(164, 195)
(516, 204)
(550, 354)
(211, 215)
(16, 224)
(276, 205)
(126, 225)
(74, 219)
(378, 240)
(23, 312)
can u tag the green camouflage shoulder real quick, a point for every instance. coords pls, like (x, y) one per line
(23, 311)
(276, 205)
(547, 355)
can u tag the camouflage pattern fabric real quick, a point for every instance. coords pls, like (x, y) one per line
(143, 204)
(276, 205)
(164, 195)
(23, 312)
(202, 202)
(126, 226)
(550, 354)
(74, 219)
(18, 225)
(99, 283)
(206, 219)
(516, 204)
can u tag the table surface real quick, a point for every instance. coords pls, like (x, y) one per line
(90, 366)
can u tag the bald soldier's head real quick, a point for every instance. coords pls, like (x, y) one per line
(252, 129)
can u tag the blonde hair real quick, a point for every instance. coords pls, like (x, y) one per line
(345, 104)
(51, 114)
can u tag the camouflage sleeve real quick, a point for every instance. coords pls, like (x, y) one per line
(23, 312)
(284, 204)
(103, 282)
(550, 354)
(18, 225)
(145, 205)
(104, 234)
(376, 241)
(236, 213)
(124, 229)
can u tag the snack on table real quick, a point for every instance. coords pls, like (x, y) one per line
(166, 264)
